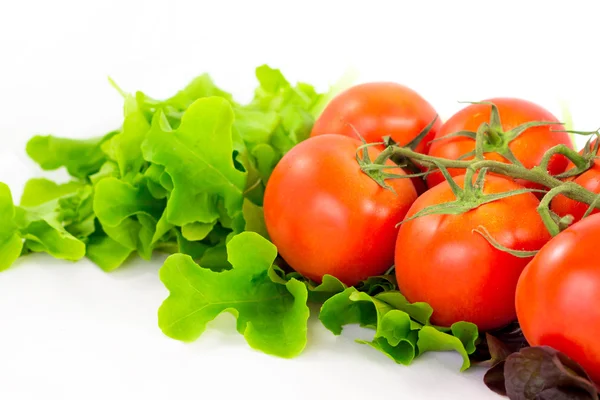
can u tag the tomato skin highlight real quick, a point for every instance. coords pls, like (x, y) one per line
(529, 147)
(590, 180)
(328, 217)
(559, 292)
(379, 109)
(441, 261)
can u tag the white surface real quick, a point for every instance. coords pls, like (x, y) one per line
(70, 331)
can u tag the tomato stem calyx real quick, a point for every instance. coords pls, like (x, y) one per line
(376, 171)
(468, 198)
(491, 137)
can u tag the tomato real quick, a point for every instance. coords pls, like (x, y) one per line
(379, 109)
(559, 292)
(590, 180)
(528, 148)
(328, 217)
(442, 261)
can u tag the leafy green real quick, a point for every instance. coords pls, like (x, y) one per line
(271, 316)
(462, 340)
(108, 169)
(107, 253)
(317, 292)
(197, 230)
(255, 218)
(193, 249)
(68, 205)
(401, 329)
(115, 201)
(420, 312)
(182, 174)
(378, 284)
(540, 373)
(54, 218)
(125, 147)
(10, 240)
(81, 157)
(39, 191)
(129, 216)
(43, 233)
(342, 310)
(198, 158)
(174, 107)
(156, 178)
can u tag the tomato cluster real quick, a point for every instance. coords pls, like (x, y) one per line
(334, 206)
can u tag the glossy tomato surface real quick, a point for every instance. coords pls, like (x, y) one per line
(558, 295)
(379, 109)
(442, 261)
(328, 217)
(528, 148)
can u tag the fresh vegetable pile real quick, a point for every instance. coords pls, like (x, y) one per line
(364, 202)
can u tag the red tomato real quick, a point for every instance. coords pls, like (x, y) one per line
(328, 217)
(379, 109)
(442, 261)
(559, 292)
(529, 147)
(590, 180)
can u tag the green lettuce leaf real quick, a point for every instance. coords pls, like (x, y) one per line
(129, 216)
(420, 312)
(461, 339)
(399, 330)
(11, 243)
(255, 218)
(174, 107)
(38, 191)
(56, 218)
(107, 170)
(293, 104)
(317, 292)
(193, 249)
(378, 284)
(197, 230)
(155, 178)
(125, 147)
(200, 87)
(115, 201)
(395, 333)
(271, 316)
(82, 158)
(44, 233)
(68, 204)
(198, 158)
(106, 253)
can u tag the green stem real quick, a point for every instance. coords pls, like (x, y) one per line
(495, 137)
(384, 156)
(592, 206)
(544, 208)
(480, 140)
(537, 174)
(580, 162)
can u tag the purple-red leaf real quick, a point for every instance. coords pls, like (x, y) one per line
(540, 373)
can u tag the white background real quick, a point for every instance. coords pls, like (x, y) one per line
(69, 331)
